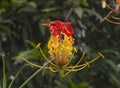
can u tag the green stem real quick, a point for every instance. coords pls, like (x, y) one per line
(17, 75)
(4, 72)
(61, 72)
(34, 74)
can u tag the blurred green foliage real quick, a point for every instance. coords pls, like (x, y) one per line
(21, 30)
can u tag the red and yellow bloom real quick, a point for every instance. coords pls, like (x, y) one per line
(61, 41)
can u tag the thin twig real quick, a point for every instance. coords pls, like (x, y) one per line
(69, 13)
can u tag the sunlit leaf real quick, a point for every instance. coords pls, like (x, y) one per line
(115, 79)
(79, 11)
(84, 2)
(49, 9)
(27, 9)
(33, 4)
(112, 64)
(83, 85)
(94, 13)
(2, 10)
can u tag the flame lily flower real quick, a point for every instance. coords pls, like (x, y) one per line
(61, 42)
(61, 49)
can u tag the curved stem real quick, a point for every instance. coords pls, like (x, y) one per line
(4, 72)
(34, 74)
(17, 75)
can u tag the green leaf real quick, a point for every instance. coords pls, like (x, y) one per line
(19, 1)
(5, 30)
(83, 85)
(31, 43)
(93, 12)
(79, 11)
(2, 10)
(115, 79)
(112, 64)
(49, 9)
(33, 4)
(23, 54)
(84, 2)
(27, 9)
(4, 4)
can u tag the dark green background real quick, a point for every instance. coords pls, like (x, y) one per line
(21, 30)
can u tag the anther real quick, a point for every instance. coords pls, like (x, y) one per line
(87, 63)
(38, 45)
(101, 55)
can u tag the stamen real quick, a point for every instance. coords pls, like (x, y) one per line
(38, 45)
(75, 65)
(77, 69)
(81, 58)
(35, 65)
(68, 63)
(45, 57)
(75, 50)
(71, 70)
(52, 70)
(93, 60)
(88, 64)
(101, 54)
